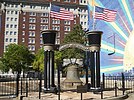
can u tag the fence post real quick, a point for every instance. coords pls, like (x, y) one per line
(102, 90)
(40, 76)
(21, 85)
(17, 85)
(103, 80)
(123, 84)
(58, 82)
(27, 87)
(115, 89)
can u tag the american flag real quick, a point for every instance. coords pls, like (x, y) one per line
(105, 14)
(61, 13)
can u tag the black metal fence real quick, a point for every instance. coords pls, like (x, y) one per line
(13, 85)
(119, 84)
(8, 85)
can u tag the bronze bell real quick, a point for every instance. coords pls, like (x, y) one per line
(72, 78)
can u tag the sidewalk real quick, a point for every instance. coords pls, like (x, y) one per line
(130, 96)
(76, 96)
(73, 96)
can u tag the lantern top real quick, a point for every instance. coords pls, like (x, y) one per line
(95, 32)
(49, 31)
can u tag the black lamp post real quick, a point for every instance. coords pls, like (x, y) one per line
(49, 37)
(94, 38)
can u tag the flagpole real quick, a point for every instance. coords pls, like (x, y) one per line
(94, 18)
(49, 17)
(93, 10)
(88, 9)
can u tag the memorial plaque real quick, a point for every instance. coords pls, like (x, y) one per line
(82, 89)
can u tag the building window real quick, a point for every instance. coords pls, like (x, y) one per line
(15, 19)
(67, 28)
(42, 7)
(57, 41)
(14, 40)
(32, 7)
(44, 20)
(12, 6)
(66, 22)
(32, 14)
(81, 23)
(15, 33)
(32, 20)
(56, 27)
(10, 40)
(66, 0)
(7, 18)
(11, 26)
(15, 26)
(74, 21)
(55, 21)
(8, 12)
(7, 5)
(7, 26)
(6, 39)
(41, 35)
(85, 23)
(85, 17)
(16, 6)
(41, 41)
(41, 46)
(6, 32)
(12, 12)
(23, 26)
(11, 33)
(23, 33)
(33, 48)
(23, 40)
(32, 26)
(44, 27)
(58, 35)
(44, 14)
(81, 16)
(32, 33)
(24, 19)
(32, 40)
(16, 12)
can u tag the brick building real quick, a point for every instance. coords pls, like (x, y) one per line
(21, 21)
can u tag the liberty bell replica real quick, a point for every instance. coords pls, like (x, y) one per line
(72, 78)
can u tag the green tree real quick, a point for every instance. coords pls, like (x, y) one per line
(38, 63)
(58, 58)
(17, 58)
(75, 36)
(3, 68)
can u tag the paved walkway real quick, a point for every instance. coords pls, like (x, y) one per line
(74, 96)
(71, 96)
(131, 96)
